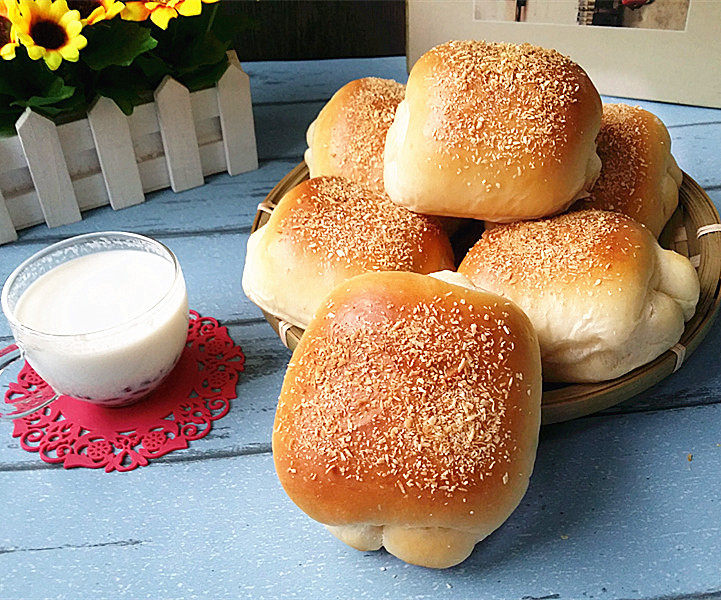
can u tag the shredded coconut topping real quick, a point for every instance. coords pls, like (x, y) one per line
(502, 102)
(622, 145)
(365, 118)
(344, 222)
(420, 396)
(562, 248)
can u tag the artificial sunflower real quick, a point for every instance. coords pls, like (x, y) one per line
(49, 30)
(161, 11)
(8, 36)
(92, 11)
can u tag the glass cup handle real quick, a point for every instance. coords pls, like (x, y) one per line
(22, 408)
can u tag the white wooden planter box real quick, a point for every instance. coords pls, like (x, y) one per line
(51, 173)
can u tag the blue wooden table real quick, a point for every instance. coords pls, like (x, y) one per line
(615, 508)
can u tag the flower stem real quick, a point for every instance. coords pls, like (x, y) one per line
(211, 20)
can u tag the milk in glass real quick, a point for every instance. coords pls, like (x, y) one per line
(106, 326)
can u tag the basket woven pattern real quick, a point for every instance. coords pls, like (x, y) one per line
(693, 231)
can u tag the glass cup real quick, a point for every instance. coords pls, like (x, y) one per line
(114, 366)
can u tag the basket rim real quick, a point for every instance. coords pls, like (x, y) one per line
(568, 401)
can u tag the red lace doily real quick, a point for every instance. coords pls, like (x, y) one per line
(79, 434)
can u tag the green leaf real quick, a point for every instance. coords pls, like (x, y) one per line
(57, 92)
(126, 99)
(116, 42)
(71, 109)
(203, 50)
(7, 120)
(22, 78)
(124, 61)
(7, 127)
(204, 76)
(26, 83)
(188, 43)
(127, 86)
(153, 67)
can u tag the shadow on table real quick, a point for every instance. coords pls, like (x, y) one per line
(698, 381)
(577, 484)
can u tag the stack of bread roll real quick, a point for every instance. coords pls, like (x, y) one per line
(410, 410)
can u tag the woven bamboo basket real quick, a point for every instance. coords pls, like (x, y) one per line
(693, 231)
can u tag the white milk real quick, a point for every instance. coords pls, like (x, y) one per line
(118, 323)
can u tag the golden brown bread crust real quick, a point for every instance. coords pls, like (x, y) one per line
(492, 131)
(326, 230)
(565, 249)
(639, 176)
(349, 134)
(343, 223)
(410, 403)
(603, 296)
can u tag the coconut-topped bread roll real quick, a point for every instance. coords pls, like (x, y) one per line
(326, 230)
(492, 131)
(409, 416)
(603, 296)
(349, 134)
(639, 176)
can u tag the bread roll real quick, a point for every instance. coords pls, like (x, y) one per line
(491, 131)
(326, 230)
(603, 296)
(349, 134)
(639, 176)
(409, 416)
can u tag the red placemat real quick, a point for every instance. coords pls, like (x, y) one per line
(79, 434)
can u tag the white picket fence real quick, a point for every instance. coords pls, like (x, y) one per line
(52, 173)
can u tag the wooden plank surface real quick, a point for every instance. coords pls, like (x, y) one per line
(115, 152)
(177, 131)
(609, 514)
(236, 118)
(249, 424)
(615, 509)
(7, 229)
(304, 81)
(44, 156)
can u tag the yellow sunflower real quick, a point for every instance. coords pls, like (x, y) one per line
(161, 11)
(92, 11)
(8, 36)
(49, 30)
